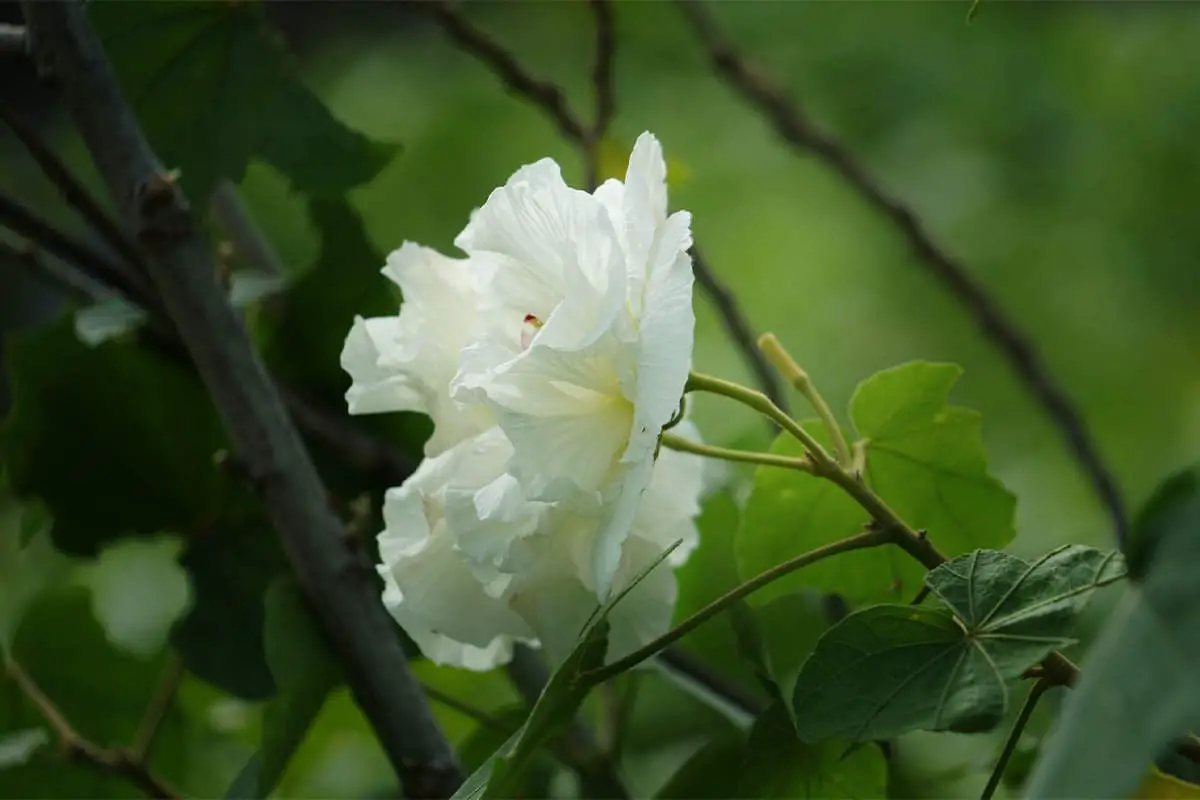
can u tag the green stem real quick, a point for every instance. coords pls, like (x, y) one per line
(888, 524)
(870, 538)
(795, 375)
(746, 456)
(1014, 736)
(762, 404)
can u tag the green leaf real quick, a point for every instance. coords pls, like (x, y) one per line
(778, 764)
(95, 433)
(711, 772)
(775, 639)
(125, 574)
(304, 343)
(29, 564)
(1138, 691)
(890, 669)
(887, 670)
(556, 707)
(303, 669)
(18, 747)
(791, 512)
(221, 638)
(926, 458)
(1020, 611)
(214, 88)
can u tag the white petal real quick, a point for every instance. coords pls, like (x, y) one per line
(645, 197)
(667, 327)
(645, 613)
(672, 501)
(376, 388)
(565, 415)
(533, 224)
(407, 362)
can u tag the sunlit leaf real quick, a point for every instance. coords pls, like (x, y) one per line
(926, 458)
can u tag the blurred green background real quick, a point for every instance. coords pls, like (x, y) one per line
(1051, 146)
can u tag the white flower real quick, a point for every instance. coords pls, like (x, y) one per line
(470, 566)
(605, 283)
(549, 359)
(405, 363)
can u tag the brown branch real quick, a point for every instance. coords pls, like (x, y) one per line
(794, 127)
(73, 192)
(602, 87)
(543, 94)
(359, 450)
(183, 273)
(156, 711)
(26, 223)
(119, 762)
(551, 100)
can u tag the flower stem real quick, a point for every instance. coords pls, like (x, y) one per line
(745, 456)
(869, 538)
(1010, 745)
(762, 404)
(783, 362)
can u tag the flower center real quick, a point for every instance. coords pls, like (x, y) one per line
(529, 328)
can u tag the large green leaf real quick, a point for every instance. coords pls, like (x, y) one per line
(96, 433)
(891, 669)
(791, 512)
(303, 335)
(778, 764)
(305, 672)
(926, 458)
(1019, 610)
(557, 705)
(710, 774)
(304, 341)
(221, 638)
(214, 88)
(1139, 690)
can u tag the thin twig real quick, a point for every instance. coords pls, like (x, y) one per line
(552, 101)
(117, 762)
(73, 192)
(794, 127)
(182, 270)
(14, 40)
(860, 541)
(602, 87)
(26, 223)
(543, 94)
(1010, 745)
(485, 719)
(62, 276)
(156, 710)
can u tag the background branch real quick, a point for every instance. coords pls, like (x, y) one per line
(124, 764)
(552, 101)
(184, 275)
(794, 127)
(603, 88)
